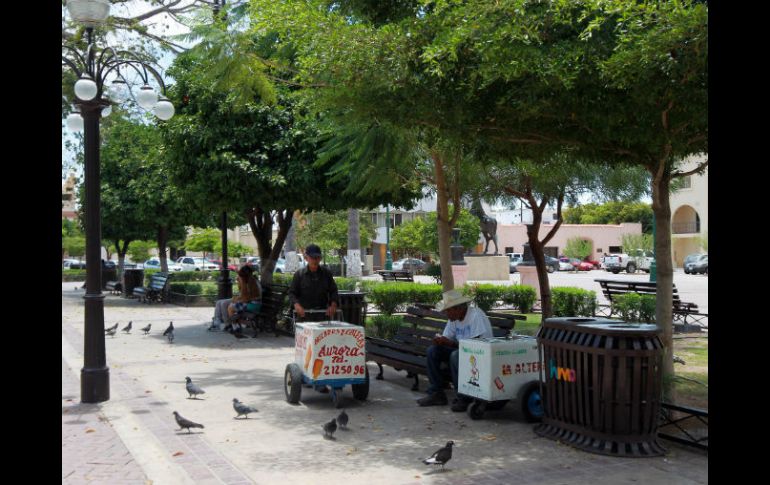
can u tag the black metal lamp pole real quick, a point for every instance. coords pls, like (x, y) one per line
(224, 282)
(93, 69)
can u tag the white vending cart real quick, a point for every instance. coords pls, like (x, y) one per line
(328, 354)
(493, 371)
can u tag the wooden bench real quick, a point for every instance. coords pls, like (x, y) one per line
(114, 287)
(681, 310)
(273, 303)
(408, 349)
(391, 275)
(157, 290)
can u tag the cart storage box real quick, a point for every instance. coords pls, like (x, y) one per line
(328, 351)
(494, 369)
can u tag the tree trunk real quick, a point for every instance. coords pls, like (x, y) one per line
(354, 245)
(444, 229)
(536, 246)
(162, 241)
(121, 257)
(661, 206)
(261, 223)
(290, 246)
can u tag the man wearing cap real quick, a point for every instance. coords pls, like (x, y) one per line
(313, 286)
(464, 322)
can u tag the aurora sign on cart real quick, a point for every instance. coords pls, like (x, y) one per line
(329, 351)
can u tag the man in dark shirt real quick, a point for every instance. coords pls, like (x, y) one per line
(313, 286)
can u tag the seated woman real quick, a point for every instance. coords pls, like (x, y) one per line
(249, 299)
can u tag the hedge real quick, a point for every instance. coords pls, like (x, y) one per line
(390, 297)
(573, 302)
(383, 326)
(633, 307)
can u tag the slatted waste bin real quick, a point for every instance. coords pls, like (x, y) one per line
(131, 279)
(602, 385)
(353, 306)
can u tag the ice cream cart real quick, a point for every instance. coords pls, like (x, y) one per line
(328, 354)
(493, 371)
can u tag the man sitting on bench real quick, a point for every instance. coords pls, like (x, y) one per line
(464, 322)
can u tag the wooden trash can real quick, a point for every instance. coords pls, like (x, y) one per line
(602, 385)
(353, 306)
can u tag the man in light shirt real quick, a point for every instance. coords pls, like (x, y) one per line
(464, 322)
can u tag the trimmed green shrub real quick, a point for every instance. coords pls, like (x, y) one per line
(633, 307)
(391, 297)
(194, 288)
(182, 276)
(383, 326)
(485, 296)
(434, 271)
(73, 275)
(281, 278)
(573, 302)
(522, 297)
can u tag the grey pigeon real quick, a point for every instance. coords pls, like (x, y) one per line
(342, 419)
(111, 329)
(679, 360)
(441, 456)
(243, 409)
(127, 328)
(192, 389)
(185, 423)
(170, 336)
(170, 328)
(146, 329)
(330, 428)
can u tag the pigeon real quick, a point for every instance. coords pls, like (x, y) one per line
(330, 428)
(111, 329)
(679, 360)
(169, 329)
(192, 389)
(243, 409)
(185, 423)
(441, 456)
(342, 419)
(170, 336)
(127, 328)
(146, 329)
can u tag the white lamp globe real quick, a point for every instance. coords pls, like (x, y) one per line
(85, 88)
(75, 122)
(89, 12)
(118, 91)
(106, 111)
(164, 109)
(147, 97)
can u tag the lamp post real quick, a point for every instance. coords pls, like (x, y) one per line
(93, 68)
(388, 257)
(653, 265)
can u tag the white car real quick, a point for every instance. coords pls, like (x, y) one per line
(154, 263)
(411, 264)
(189, 263)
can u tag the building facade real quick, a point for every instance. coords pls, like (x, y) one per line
(689, 213)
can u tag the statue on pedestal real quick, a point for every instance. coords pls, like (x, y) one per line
(488, 225)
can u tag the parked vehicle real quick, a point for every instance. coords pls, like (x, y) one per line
(699, 266)
(196, 264)
(218, 262)
(513, 260)
(691, 258)
(74, 264)
(252, 261)
(410, 264)
(639, 259)
(565, 264)
(551, 264)
(154, 263)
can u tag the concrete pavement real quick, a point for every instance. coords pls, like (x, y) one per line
(132, 438)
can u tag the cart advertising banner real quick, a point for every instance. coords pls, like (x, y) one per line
(495, 369)
(330, 350)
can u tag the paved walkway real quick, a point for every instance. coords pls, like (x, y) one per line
(132, 438)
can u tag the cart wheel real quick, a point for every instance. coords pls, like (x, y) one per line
(496, 405)
(531, 402)
(337, 398)
(477, 409)
(361, 391)
(293, 383)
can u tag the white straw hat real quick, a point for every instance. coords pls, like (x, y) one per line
(452, 298)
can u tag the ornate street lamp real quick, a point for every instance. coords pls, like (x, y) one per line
(93, 99)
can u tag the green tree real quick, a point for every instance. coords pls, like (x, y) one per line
(205, 240)
(632, 242)
(331, 228)
(577, 247)
(613, 212)
(139, 252)
(75, 246)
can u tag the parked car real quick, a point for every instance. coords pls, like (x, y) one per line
(74, 264)
(252, 261)
(409, 264)
(689, 259)
(581, 265)
(513, 260)
(699, 266)
(218, 262)
(189, 263)
(638, 259)
(154, 263)
(565, 264)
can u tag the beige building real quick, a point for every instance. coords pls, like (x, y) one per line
(689, 213)
(68, 198)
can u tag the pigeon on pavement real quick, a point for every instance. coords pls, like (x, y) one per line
(330, 428)
(146, 329)
(170, 336)
(441, 456)
(185, 423)
(342, 419)
(127, 328)
(243, 409)
(111, 329)
(192, 389)
(170, 328)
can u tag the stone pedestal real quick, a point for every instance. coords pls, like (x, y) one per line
(483, 267)
(460, 274)
(529, 277)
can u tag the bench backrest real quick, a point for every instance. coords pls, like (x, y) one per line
(273, 299)
(158, 281)
(615, 287)
(433, 322)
